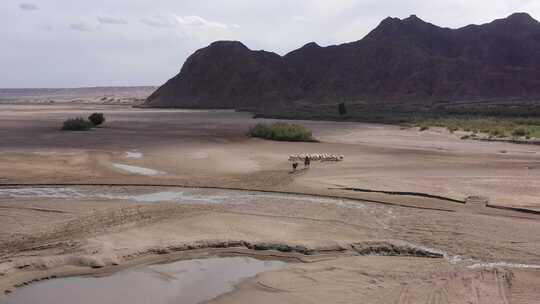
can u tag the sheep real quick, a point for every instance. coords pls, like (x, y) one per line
(316, 157)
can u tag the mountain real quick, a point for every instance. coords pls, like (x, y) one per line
(401, 62)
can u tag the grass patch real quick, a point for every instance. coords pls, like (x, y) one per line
(281, 132)
(495, 127)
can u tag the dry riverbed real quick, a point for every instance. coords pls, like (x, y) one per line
(98, 202)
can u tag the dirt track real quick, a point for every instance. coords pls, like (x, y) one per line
(46, 234)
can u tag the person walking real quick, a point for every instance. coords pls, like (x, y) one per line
(307, 162)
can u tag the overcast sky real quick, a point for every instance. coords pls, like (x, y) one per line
(70, 43)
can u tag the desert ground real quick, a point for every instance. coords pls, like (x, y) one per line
(407, 217)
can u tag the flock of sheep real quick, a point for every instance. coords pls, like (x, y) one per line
(316, 157)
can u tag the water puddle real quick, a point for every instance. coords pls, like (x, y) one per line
(177, 195)
(138, 170)
(503, 265)
(199, 155)
(64, 193)
(165, 196)
(478, 264)
(185, 282)
(134, 154)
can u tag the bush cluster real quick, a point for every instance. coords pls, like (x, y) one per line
(497, 132)
(520, 132)
(281, 132)
(77, 124)
(97, 118)
(81, 124)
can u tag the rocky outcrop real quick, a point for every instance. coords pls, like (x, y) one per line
(226, 75)
(401, 61)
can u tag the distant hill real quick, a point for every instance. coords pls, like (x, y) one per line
(99, 95)
(400, 63)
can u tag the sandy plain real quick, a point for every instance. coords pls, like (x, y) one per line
(428, 199)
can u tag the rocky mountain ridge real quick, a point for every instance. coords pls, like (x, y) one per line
(401, 62)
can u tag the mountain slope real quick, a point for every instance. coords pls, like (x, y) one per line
(400, 62)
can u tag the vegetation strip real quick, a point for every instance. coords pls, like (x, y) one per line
(517, 130)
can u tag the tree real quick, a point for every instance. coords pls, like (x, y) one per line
(342, 109)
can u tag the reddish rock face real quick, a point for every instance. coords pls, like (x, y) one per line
(400, 61)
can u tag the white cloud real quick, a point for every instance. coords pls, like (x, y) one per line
(159, 22)
(172, 21)
(46, 27)
(81, 27)
(200, 22)
(111, 20)
(28, 7)
(300, 18)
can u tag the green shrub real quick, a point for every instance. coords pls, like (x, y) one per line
(520, 132)
(281, 132)
(496, 133)
(97, 118)
(77, 124)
